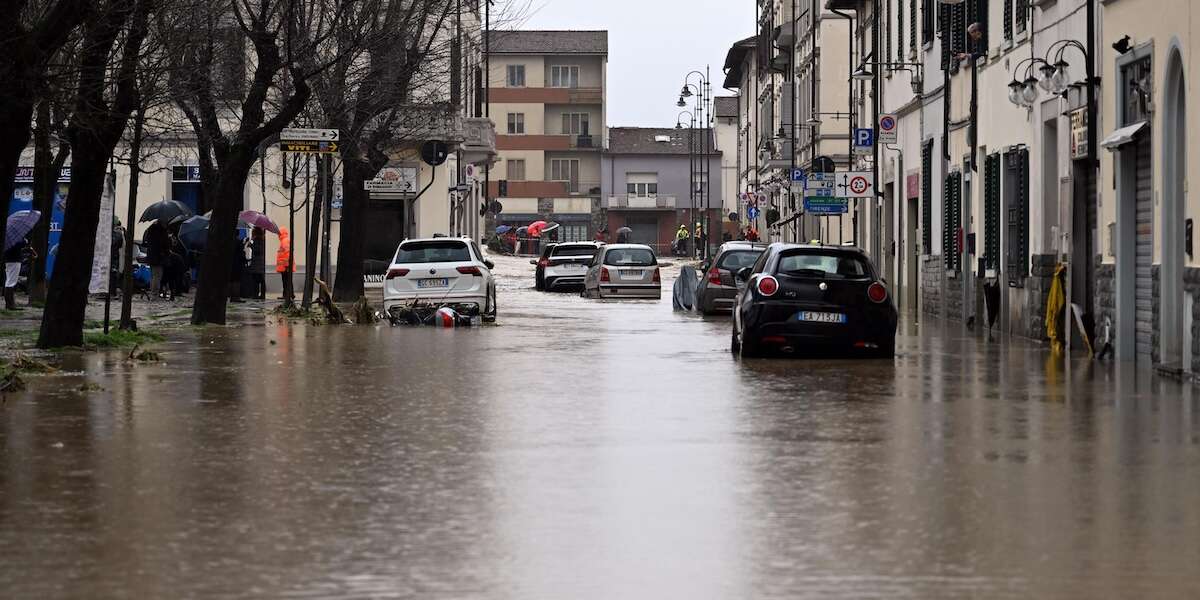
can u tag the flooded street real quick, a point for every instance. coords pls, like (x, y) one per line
(595, 450)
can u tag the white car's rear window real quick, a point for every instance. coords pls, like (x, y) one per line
(574, 251)
(629, 257)
(432, 252)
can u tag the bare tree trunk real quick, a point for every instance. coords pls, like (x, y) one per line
(313, 239)
(135, 159)
(216, 265)
(348, 285)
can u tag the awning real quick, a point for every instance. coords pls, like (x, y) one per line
(1122, 136)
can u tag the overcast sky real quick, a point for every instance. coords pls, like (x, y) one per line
(652, 44)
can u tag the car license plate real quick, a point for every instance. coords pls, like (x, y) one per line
(575, 267)
(631, 274)
(820, 317)
(433, 283)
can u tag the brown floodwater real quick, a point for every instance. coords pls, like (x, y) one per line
(594, 450)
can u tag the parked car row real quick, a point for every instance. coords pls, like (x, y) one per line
(601, 270)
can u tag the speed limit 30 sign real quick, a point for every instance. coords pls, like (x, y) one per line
(888, 124)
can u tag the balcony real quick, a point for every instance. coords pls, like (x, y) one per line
(422, 122)
(544, 95)
(528, 189)
(631, 202)
(584, 142)
(479, 143)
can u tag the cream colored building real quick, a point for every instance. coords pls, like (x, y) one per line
(547, 96)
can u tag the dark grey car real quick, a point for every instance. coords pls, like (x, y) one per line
(717, 290)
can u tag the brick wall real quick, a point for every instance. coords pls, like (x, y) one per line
(931, 285)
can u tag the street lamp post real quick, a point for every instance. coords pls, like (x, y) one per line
(703, 110)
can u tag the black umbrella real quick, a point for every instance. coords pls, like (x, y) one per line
(193, 234)
(623, 235)
(164, 211)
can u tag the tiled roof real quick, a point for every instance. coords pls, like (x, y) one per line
(642, 140)
(549, 42)
(726, 106)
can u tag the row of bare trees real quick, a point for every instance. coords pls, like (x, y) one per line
(108, 82)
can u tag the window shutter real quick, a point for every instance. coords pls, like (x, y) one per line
(912, 22)
(1018, 213)
(927, 197)
(991, 212)
(927, 20)
(951, 218)
(1008, 20)
(1022, 16)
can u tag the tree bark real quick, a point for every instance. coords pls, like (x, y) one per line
(95, 130)
(348, 285)
(46, 169)
(216, 265)
(310, 270)
(135, 156)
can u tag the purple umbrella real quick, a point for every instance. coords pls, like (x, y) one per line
(259, 220)
(20, 224)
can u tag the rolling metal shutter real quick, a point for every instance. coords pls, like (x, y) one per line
(1143, 279)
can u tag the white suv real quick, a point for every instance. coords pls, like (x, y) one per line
(441, 272)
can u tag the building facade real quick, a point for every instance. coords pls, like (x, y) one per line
(649, 186)
(547, 94)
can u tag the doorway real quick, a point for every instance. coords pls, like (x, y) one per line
(912, 254)
(1173, 214)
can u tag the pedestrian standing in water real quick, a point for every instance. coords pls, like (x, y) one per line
(283, 260)
(158, 247)
(258, 263)
(13, 257)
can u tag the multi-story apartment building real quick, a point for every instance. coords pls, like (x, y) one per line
(547, 94)
(794, 113)
(725, 130)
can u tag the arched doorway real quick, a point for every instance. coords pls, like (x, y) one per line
(1175, 139)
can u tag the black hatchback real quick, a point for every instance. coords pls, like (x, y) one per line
(801, 299)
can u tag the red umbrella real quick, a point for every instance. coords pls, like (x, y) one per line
(536, 227)
(259, 220)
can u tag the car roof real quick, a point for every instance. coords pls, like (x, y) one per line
(579, 244)
(437, 239)
(623, 246)
(784, 246)
(742, 245)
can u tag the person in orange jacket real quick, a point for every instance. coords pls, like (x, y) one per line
(283, 259)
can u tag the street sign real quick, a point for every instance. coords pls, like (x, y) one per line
(376, 185)
(888, 133)
(855, 184)
(311, 147)
(309, 135)
(864, 141)
(820, 185)
(826, 206)
(797, 174)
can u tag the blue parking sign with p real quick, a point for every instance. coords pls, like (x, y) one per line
(797, 174)
(864, 138)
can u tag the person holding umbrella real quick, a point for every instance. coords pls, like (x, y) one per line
(258, 262)
(158, 248)
(13, 257)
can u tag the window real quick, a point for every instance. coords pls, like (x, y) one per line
(1008, 20)
(1022, 16)
(951, 222)
(644, 190)
(823, 265)
(698, 182)
(1016, 192)
(432, 252)
(642, 184)
(991, 213)
(736, 261)
(927, 198)
(516, 75)
(574, 233)
(912, 26)
(515, 169)
(516, 123)
(565, 169)
(588, 250)
(629, 257)
(575, 124)
(887, 29)
(927, 20)
(977, 12)
(564, 76)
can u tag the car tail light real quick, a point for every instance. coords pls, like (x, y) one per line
(470, 271)
(604, 277)
(714, 276)
(768, 285)
(657, 275)
(877, 293)
(394, 273)
(545, 262)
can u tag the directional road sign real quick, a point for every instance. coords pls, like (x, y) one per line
(855, 184)
(820, 185)
(311, 147)
(887, 129)
(376, 185)
(309, 135)
(826, 206)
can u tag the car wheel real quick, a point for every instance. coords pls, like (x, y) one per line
(734, 346)
(490, 315)
(748, 348)
(539, 284)
(887, 349)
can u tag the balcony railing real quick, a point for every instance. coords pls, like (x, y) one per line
(632, 202)
(585, 142)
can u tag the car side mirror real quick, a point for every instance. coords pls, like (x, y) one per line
(743, 274)
(533, 262)
(489, 264)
